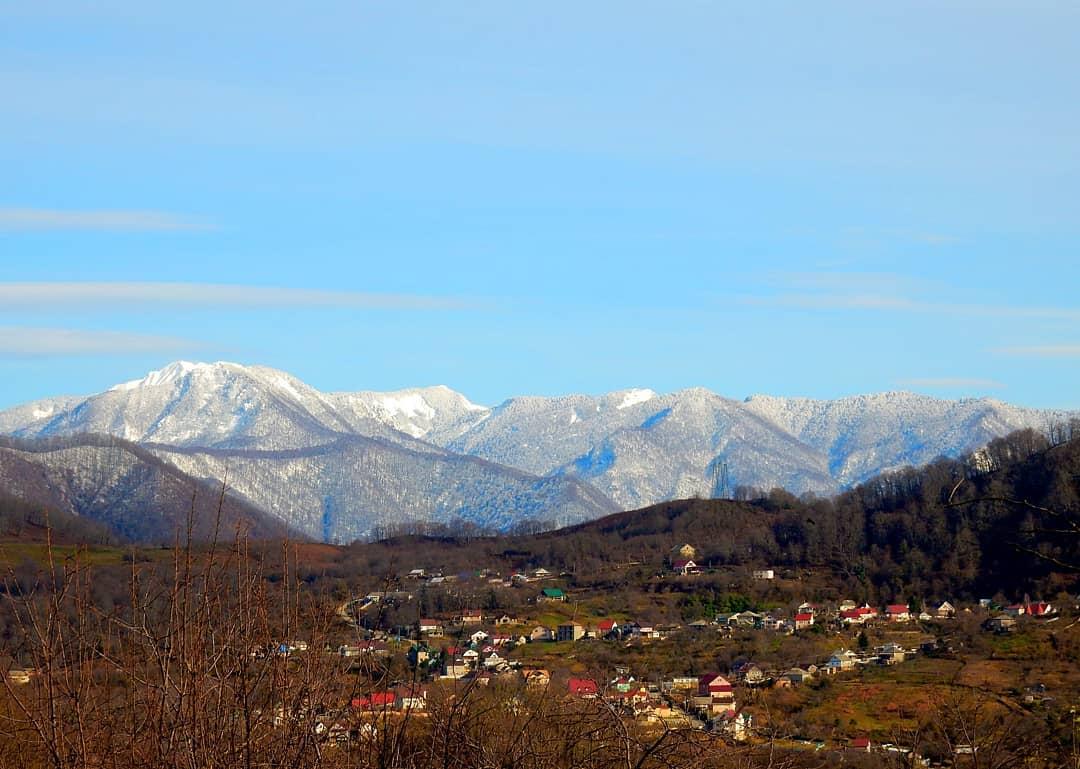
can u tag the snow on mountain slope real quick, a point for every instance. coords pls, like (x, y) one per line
(864, 435)
(436, 414)
(222, 405)
(123, 487)
(342, 490)
(634, 446)
(639, 450)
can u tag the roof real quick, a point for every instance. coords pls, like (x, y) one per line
(553, 592)
(605, 625)
(804, 617)
(897, 608)
(682, 564)
(582, 686)
(374, 700)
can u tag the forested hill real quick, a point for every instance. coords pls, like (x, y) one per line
(1002, 519)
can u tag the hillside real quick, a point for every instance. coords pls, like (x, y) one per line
(123, 488)
(1003, 519)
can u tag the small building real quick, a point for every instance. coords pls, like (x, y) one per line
(551, 594)
(898, 612)
(570, 631)
(472, 617)
(764, 574)
(796, 676)
(685, 567)
(685, 552)
(541, 633)
(606, 628)
(804, 620)
(945, 611)
(431, 626)
(1002, 623)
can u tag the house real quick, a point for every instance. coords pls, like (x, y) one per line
(471, 617)
(687, 683)
(542, 573)
(570, 631)
(1002, 623)
(606, 628)
(716, 688)
(796, 676)
(945, 611)
(431, 626)
(1039, 609)
(375, 701)
(505, 619)
(847, 605)
(648, 632)
(1016, 610)
(415, 574)
(841, 660)
(455, 668)
(479, 637)
(471, 656)
(582, 687)
(764, 574)
(749, 673)
(890, 654)
(551, 594)
(898, 612)
(804, 620)
(861, 744)
(541, 633)
(411, 697)
(685, 552)
(685, 567)
(859, 616)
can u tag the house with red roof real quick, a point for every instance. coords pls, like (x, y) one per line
(898, 612)
(375, 701)
(858, 616)
(607, 627)
(685, 567)
(582, 687)
(1039, 609)
(804, 620)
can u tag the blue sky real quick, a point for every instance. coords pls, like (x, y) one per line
(801, 199)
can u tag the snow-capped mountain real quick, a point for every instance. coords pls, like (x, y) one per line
(336, 464)
(864, 435)
(638, 447)
(214, 405)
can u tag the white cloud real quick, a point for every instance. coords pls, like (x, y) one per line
(1043, 351)
(55, 219)
(125, 294)
(52, 342)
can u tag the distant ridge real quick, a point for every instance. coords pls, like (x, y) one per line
(349, 461)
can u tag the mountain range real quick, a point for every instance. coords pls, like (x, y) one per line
(336, 466)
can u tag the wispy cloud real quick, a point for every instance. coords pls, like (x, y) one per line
(21, 341)
(206, 295)
(886, 292)
(57, 219)
(952, 383)
(1043, 351)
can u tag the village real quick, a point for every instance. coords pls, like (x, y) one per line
(556, 644)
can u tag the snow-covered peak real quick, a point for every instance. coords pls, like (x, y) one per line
(634, 397)
(163, 376)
